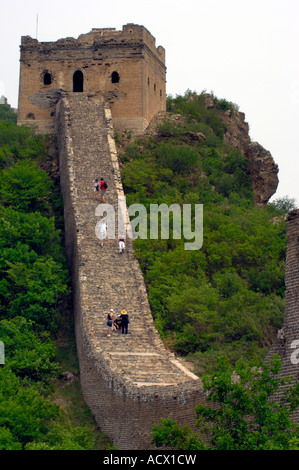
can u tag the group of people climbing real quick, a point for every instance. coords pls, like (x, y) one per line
(101, 186)
(122, 320)
(120, 323)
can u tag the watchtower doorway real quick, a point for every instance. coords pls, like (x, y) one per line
(78, 81)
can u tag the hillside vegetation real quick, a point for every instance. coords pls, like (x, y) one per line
(38, 409)
(228, 297)
(225, 299)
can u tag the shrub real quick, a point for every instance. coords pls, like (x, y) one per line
(180, 159)
(244, 414)
(25, 187)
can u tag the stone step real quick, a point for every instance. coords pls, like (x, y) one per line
(108, 279)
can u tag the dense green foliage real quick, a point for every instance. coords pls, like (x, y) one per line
(33, 283)
(227, 297)
(244, 414)
(6, 113)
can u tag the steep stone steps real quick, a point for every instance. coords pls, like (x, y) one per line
(108, 279)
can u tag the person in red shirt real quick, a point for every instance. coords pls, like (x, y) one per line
(103, 187)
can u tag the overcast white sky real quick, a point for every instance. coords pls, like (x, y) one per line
(245, 52)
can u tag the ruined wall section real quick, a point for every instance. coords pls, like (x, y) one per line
(128, 381)
(123, 67)
(287, 342)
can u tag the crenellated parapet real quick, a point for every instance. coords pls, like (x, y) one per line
(123, 67)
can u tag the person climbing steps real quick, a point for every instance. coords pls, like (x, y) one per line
(103, 188)
(109, 322)
(124, 321)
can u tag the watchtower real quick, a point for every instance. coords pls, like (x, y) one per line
(123, 68)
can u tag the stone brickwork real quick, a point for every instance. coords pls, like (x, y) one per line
(123, 67)
(128, 381)
(287, 342)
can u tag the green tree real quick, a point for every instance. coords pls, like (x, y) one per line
(244, 414)
(65, 437)
(33, 230)
(33, 283)
(29, 355)
(180, 159)
(284, 204)
(6, 113)
(20, 143)
(24, 412)
(25, 187)
(34, 291)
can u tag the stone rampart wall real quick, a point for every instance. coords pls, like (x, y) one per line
(128, 381)
(287, 342)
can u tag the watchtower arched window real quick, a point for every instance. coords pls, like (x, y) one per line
(78, 81)
(47, 78)
(115, 77)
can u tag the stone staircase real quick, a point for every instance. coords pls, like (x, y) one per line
(105, 278)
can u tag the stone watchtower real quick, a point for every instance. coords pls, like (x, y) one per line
(123, 68)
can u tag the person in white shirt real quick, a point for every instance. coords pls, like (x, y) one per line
(121, 243)
(101, 231)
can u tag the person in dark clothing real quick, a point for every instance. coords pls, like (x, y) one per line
(124, 321)
(117, 322)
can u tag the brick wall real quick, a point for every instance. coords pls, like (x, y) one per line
(123, 67)
(128, 381)
(285, 345)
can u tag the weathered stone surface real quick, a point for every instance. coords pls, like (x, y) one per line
(68, 376)
(287, 342)
(128, 381)
(123, 67)
(209, 103)
(45, 99)
(262, 169)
